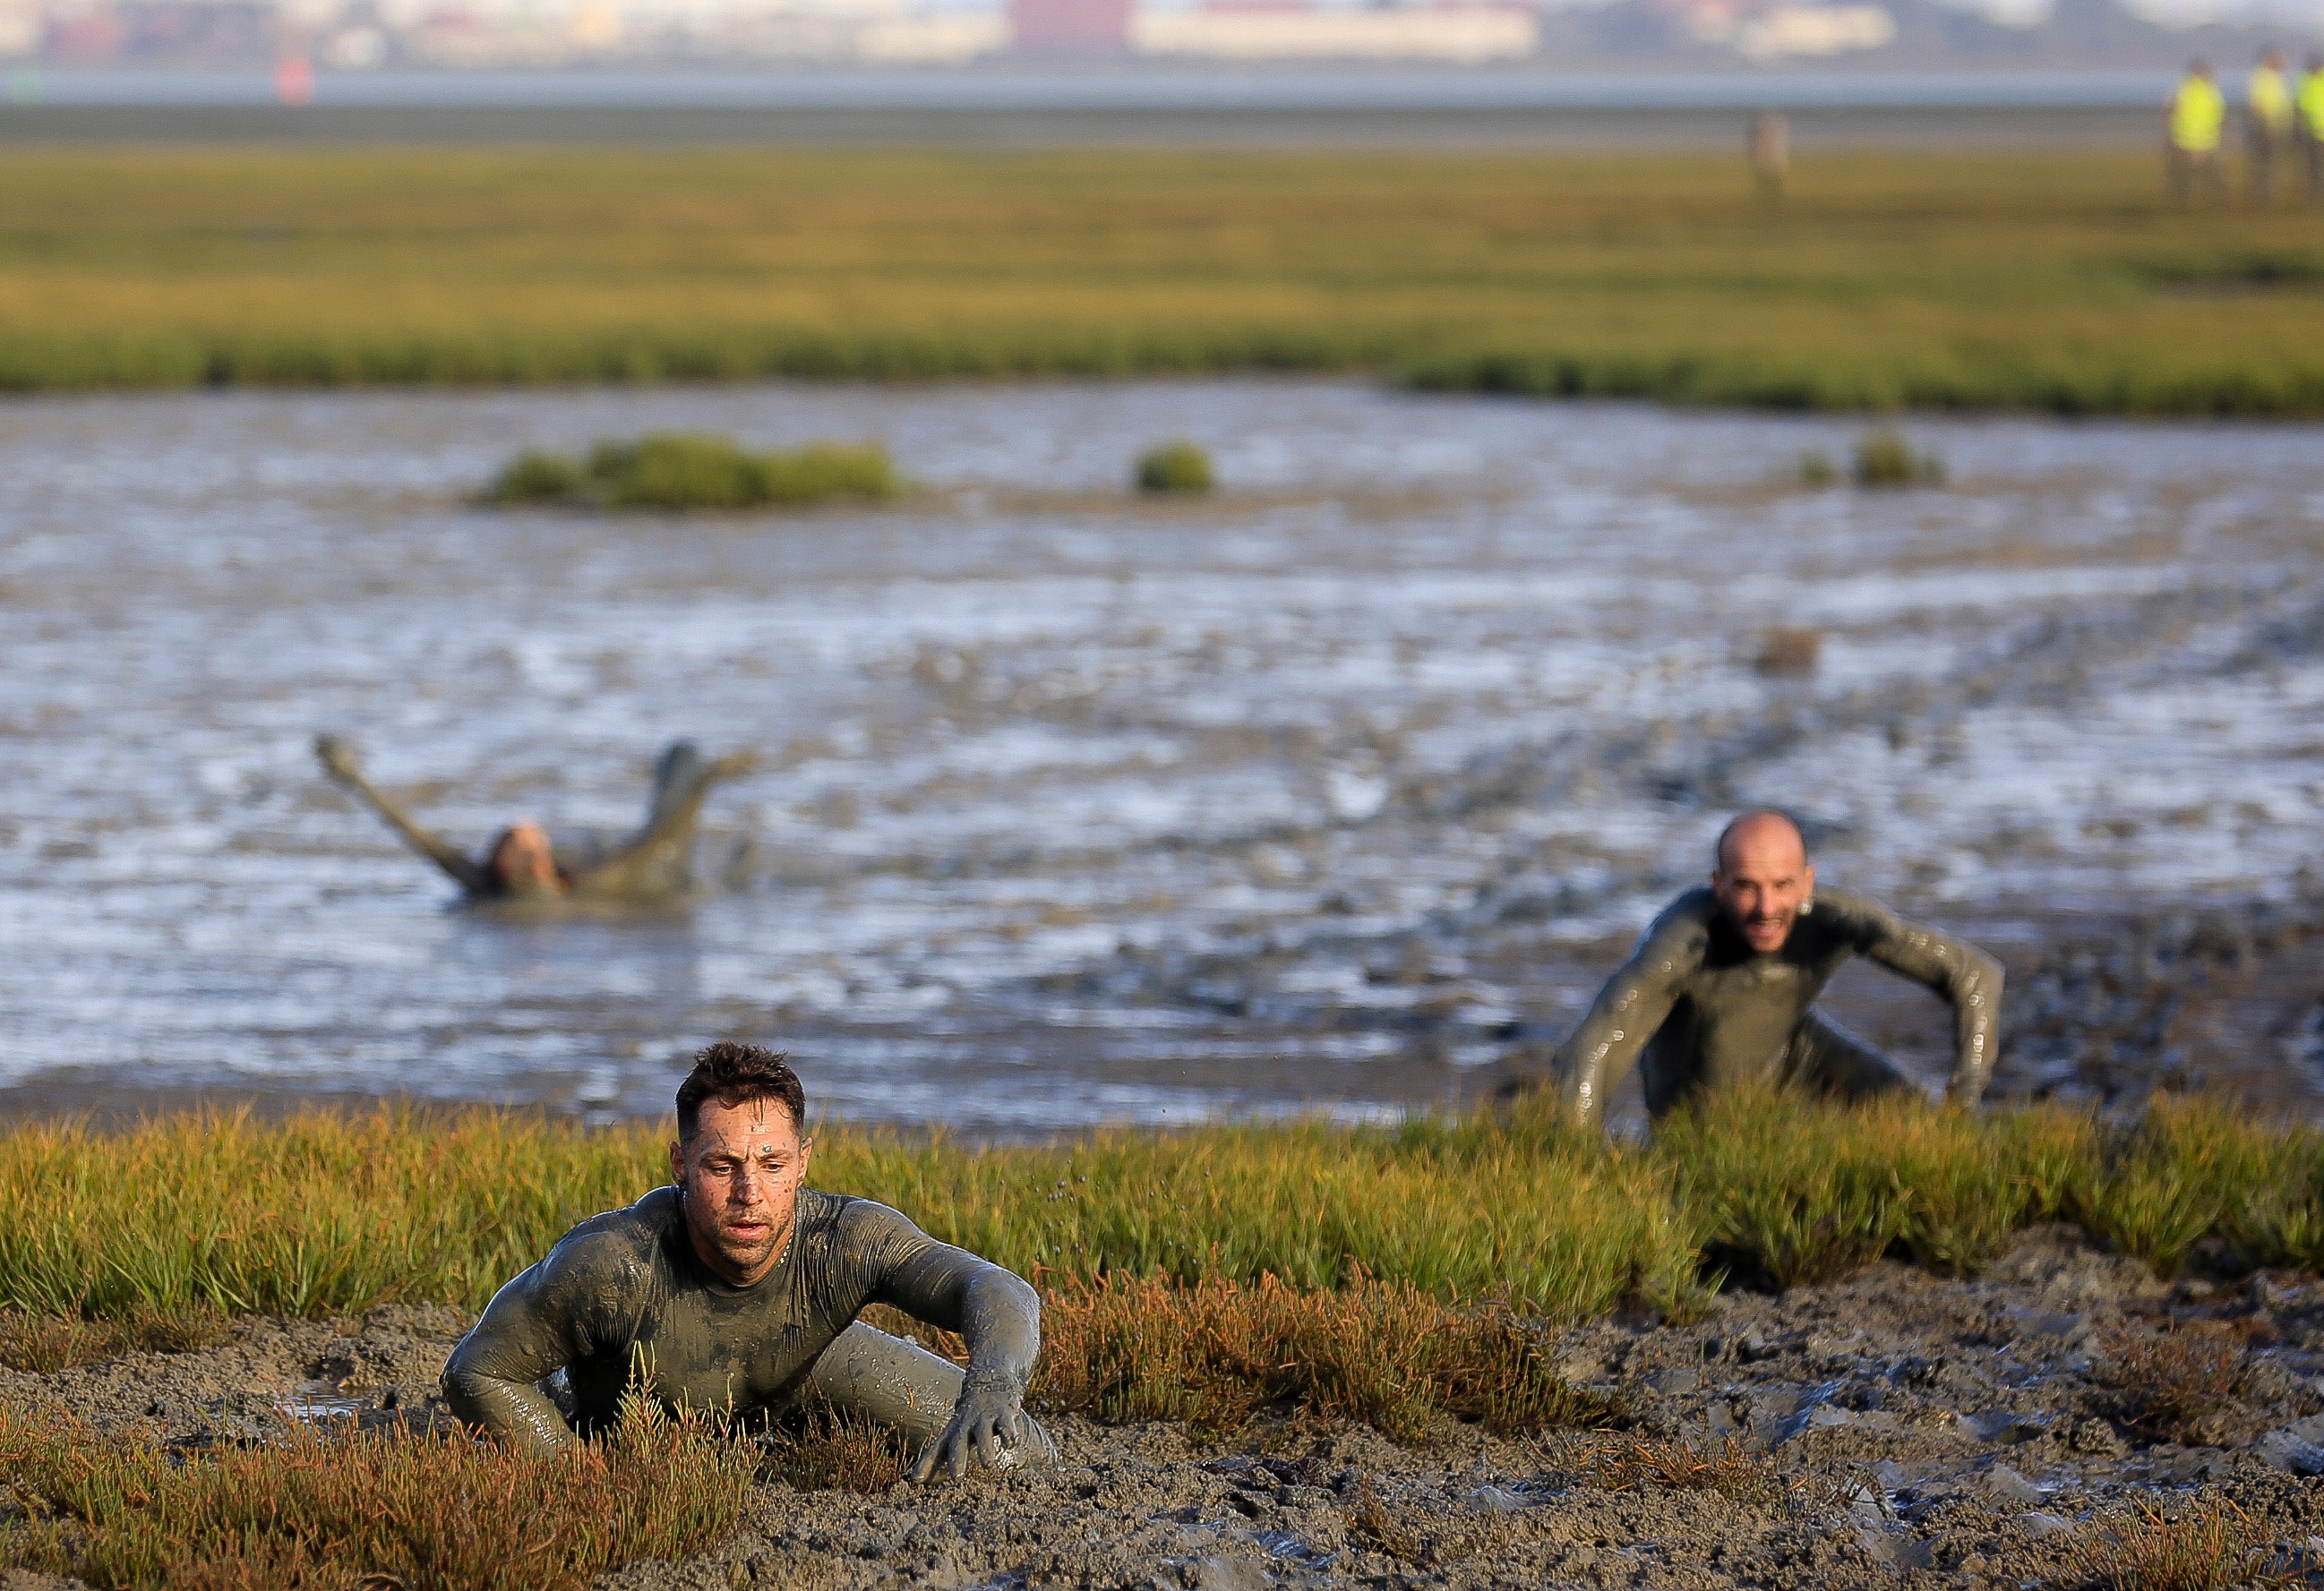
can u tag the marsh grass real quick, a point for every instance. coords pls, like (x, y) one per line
(324, 1215)
(2054, 280)
(1214, 1354)
(2207, 1545)
(437, 1511)
(821, 1449)
(1886, 460)
(1730, 1468)
(45, 1343)
(678, 471)
(1175, 468)
(2174, 1384)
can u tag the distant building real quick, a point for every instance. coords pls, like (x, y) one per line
(1077, 27)
(1262, 29)
(1789, 30)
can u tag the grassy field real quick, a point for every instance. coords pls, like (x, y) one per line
(2052, 280)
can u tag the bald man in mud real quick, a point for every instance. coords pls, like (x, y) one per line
(1720, 991)
(522, 865)
(736, 1292)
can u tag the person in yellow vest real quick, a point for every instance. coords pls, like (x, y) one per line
(2267, 120)
(2307, 122)
(2192, 127)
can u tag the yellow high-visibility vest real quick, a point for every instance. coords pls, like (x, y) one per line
(2198, 112)
(2311, 104)
(2270, 99)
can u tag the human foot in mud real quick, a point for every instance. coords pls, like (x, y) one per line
(737, 1292)
(655, 864)
(1719, 992)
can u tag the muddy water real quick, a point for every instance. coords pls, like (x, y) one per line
(1337, 789)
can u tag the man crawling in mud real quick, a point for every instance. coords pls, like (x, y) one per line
(1719, 992)
(736, 1291)
(655, 864)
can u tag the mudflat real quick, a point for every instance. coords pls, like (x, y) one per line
(2035, 1425)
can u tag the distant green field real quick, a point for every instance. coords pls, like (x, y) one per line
(2054, 280)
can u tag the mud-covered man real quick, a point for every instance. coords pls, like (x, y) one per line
(1720, 991)
(736, 1291)
(521, 865)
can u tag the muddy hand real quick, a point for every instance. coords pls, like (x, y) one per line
(337, 757)
(989, 1421)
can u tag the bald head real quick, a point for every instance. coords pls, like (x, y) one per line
(1753, 831)
(1762, 880)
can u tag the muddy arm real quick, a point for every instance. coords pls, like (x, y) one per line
(1957, 970)
(658, 859)
(338, 760)
(532, 1328)
(998, 1313)
(1627, 1012)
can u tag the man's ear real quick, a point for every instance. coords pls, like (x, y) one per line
(677, 1161)
(806, 1153)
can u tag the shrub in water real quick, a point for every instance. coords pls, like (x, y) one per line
(1816, 470)
(1884, 458)
(680, 470)
(537, 477)
(1175, 466)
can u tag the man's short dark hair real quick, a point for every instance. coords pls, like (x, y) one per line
(733, 1074)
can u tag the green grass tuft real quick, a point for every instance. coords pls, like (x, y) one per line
(1176, 467)
(1885, 459)
(681, 471)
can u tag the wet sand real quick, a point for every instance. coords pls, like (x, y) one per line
(1967, 1432)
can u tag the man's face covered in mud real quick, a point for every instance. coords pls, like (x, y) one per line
(740, 1174)
(1763, 879)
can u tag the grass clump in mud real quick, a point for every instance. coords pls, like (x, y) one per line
(45, 1343)
(679, 470)
(439, 1510)
(1730, 1468)
(1886, 460)
(821, 1449)
(2176, 1385)
(1175, 469)
(2207, 1544)
(1214, 1354)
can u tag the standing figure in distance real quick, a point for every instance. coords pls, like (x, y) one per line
(2268, 121)
(1770, 148)
(1719, 992)
(2307, 122)
(654, 864)
(2191, 126)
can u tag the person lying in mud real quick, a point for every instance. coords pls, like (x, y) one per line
(656, 863)
(1719, 992)
(736, 1291)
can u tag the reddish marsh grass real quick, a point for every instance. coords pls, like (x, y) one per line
(2208, 1545)
(438, 1512)
(1214, 1354)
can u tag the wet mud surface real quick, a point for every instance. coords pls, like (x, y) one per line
(1338, 789)
(1960, 1433)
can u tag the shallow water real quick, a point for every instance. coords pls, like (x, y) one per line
(1074, 808)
